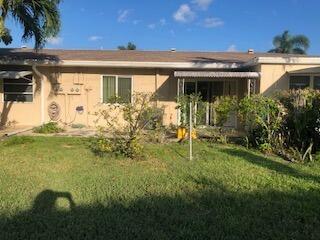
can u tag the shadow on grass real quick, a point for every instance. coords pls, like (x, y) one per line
(206, 214)
(281, 168)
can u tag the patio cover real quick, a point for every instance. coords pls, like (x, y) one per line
(14, 74)
(313, 70)
(216, 74)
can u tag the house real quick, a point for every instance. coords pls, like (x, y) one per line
(71, 85)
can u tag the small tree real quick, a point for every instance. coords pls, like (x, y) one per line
(124, 124)
(130, 46)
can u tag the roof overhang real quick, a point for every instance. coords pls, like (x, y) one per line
(14, 74)
(187, 74)
(127, 64)
(303, 60)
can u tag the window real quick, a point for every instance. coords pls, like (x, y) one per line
(299, 82)
(316, 82)
(116, 88)
(18, 90)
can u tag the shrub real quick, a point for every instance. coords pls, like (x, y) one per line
(300, 130)
(48, 128)
(262, 117)
(223, 106)
(183, 104)
(138, 116)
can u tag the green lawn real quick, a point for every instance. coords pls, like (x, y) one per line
(55, 188)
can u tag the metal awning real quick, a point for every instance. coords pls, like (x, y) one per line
(216, 74)
(313, 70)
(14, 74)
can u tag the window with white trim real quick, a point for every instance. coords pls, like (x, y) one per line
(299, 82)
(116, 89)
(18, 90)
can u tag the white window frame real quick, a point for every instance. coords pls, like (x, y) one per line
(21, 93)
(117, 79)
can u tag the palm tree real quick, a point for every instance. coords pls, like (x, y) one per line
(287, 43)
(130, 46)
(39, 19)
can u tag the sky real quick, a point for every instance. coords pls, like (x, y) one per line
(203, 25)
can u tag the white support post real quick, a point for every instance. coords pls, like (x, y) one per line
(190, 132)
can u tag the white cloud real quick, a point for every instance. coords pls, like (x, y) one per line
(232, 48)
(202, 4)
(213, 22)
(136, 22)
(163, 21)
(95, 38)
(123, 15)
(184, 14)
(55, 40)
(152, 26)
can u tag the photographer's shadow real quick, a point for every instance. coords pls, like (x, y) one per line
(45, 201)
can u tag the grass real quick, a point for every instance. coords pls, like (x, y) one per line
(55, 188)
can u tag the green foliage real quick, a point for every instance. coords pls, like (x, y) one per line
(228, 193)
(183, 104)
(78, 125)
(39, 19)
(262, 117)
(301, 127)
(48, 128)
(101, 146)
(130, 46)
(138, 116)
(223, 106)
(286, 43)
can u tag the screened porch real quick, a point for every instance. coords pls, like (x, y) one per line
(210, 85)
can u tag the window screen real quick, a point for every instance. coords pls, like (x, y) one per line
(299, 82)
(316, 82)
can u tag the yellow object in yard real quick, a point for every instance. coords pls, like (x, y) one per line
(183, 133)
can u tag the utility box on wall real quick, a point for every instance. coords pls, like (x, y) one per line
(70, 89)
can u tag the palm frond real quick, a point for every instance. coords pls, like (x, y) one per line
(40, 19)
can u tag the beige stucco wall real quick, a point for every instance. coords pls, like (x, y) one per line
(88, 81)
(275, 77)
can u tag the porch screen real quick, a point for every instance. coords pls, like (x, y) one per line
(109, 88)
(299, 82)
(124, 89)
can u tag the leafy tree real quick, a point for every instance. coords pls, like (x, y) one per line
(130, 46)
(39, 19)
(287, 43)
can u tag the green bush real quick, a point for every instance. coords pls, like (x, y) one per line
(101, 146)
(223, 106)
(138, 116)
(301, 127)
(48, 128)
(262, 117)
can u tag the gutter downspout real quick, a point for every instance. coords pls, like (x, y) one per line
(36, 71)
